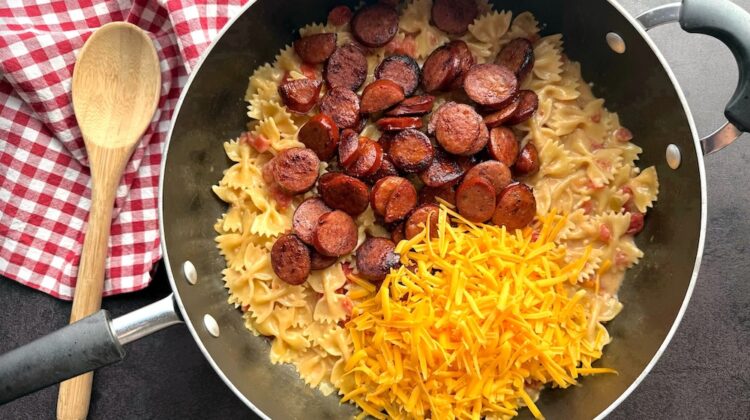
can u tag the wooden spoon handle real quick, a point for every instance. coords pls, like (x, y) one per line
(75, 393)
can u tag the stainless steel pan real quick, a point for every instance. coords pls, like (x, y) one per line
(636, 82)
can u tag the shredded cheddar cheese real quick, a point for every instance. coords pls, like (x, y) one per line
(474, 321)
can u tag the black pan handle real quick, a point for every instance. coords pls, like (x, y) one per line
(730, 24)
(93, 342)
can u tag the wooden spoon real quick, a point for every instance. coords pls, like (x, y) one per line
(116, 83)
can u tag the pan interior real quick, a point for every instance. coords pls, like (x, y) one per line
(634, 84)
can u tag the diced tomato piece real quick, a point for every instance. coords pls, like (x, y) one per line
(406, 46)
(604, 233)
(348, 306)
(256, 141)
(636, 223)
(623, 134)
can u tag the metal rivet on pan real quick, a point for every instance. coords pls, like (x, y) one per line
(211, 325)
(674, 157)
(188, 270)
(615, 42)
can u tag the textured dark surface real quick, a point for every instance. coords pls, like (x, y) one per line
(704, 373)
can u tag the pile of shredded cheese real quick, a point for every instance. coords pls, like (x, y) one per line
(485, 320)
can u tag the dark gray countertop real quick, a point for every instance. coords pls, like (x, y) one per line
(705, 372)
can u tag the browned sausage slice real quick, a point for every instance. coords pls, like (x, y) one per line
(398, 123)
(381, 95)
(319, 261)
(482, 139)
(401, 203)
(305, 218)
(440, 69)
(386, 139)
(369, 159)
(518, 56)
(475, 199)
(343, 106)
(443, 170)
(503, 145)
(296, 170)
(429, 195)
(345, 193)
(456, 127)
(490, 85)
(315, 49)
(415, 106)
(375, 25)
(454, 16)
(497, 173)
(411, 151)
(321, 135)
(527, 162)
(340, 15)
(336, 234)
(346, 68)
(387, 168)
(382, 192)
(397, 234)
(419, 219)
(300, 95)
(497, 118)
(290, 259)
(516, 207)
(466, 61)
(528, 103)
(401, 69)
(348, 147)
(375, 258)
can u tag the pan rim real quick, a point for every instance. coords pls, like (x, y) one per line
(670, 334)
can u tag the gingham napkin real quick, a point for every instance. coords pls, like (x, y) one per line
(44, 177)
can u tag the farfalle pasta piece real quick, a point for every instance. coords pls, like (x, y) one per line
(264, 82)
(524, 25)
(645, 188)
(488, 29)
(288, 60)
(548, 63)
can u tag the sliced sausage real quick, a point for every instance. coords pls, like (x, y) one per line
(382, 192)
(296, 170)
(414, 106)
(387, 168)
(321, 135)
(466, 61)
(346, 68)
(528, 103)
(516, 207)
(518, 56)
(290, 259)
(300, 95)
(527, 162)
(401, 69)
(386, 139)
(419, 219)
(475, 199)
(369, 159)
(398, 123)
(443, 170)
(348, 147)
(482, 139)
(381, 95)
(497, 173)
(440, 69)
(454, 16)
(305, 218)
(456, 127)
(343, 106)
(499, 117)
(375, 25)
(340, 15)
(319, 261)
(336, 234)
(503, 146)
(345, 193)
(411, 151)
(490, 84)
(397, 233)
(315, 49)
(429, 195)
(401, 203)
(375, 258)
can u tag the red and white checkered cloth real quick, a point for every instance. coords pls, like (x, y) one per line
(44, 178)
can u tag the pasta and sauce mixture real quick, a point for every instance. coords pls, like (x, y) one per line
(466, 318)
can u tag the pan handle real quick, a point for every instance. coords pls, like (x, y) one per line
(93, 342)
(730, 24)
